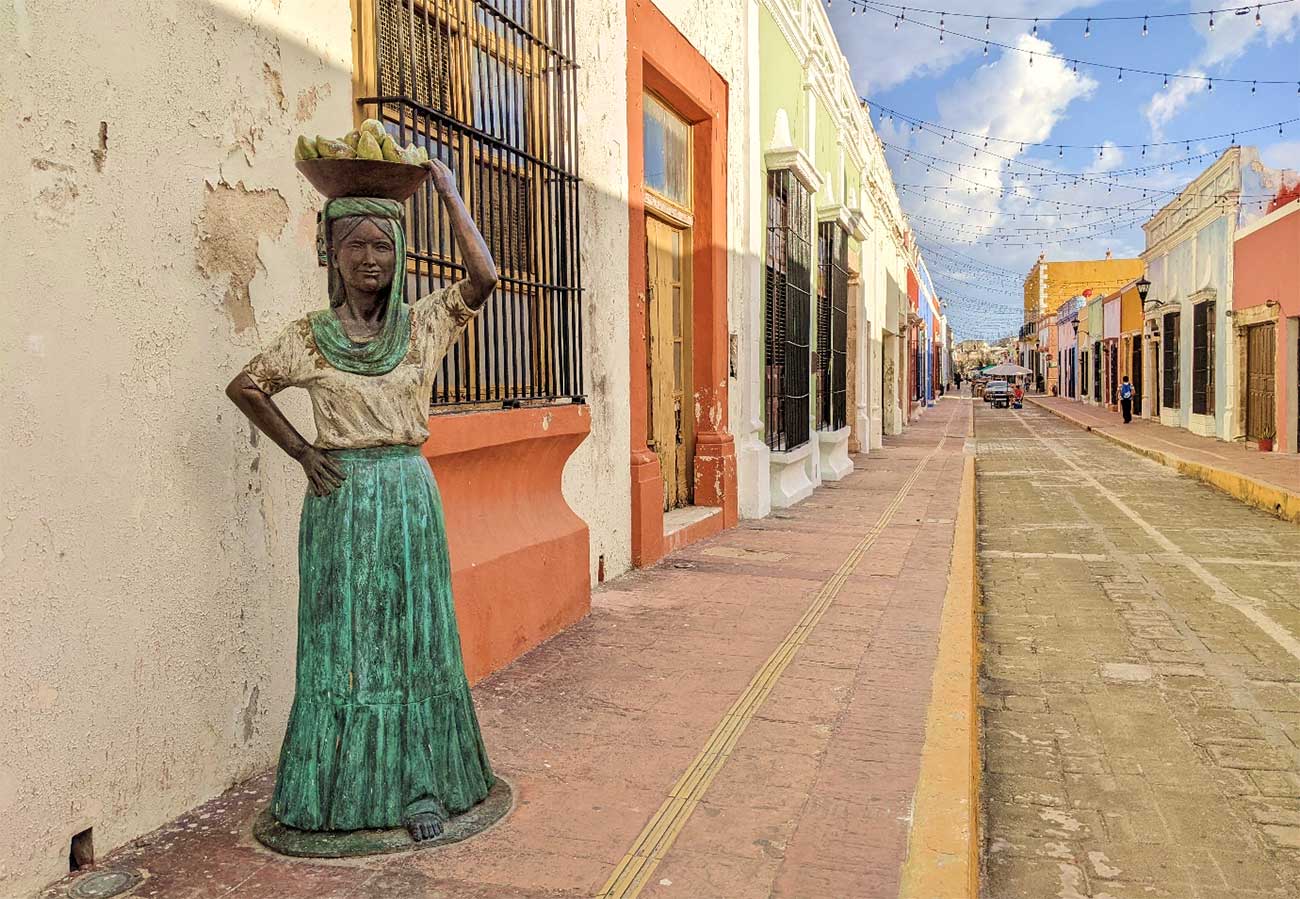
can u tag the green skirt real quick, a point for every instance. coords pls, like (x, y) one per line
(382, 723)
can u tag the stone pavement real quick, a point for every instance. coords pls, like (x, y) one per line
(1140, 675)
(1239, 469)
(745, 720)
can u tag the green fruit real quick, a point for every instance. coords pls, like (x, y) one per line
(368, 147)
(333, 149)
(389, 149)
(423, 152)
(409, 155)
(304, 149)
(376, 128)
(352, 138)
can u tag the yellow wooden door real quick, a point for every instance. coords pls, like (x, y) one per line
(668, 359)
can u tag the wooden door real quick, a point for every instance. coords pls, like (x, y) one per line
(671, 418)
(1135, 372)
(1261, 374)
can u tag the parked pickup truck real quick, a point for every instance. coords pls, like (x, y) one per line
(998, 393)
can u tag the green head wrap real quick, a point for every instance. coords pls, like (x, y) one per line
(381, 355)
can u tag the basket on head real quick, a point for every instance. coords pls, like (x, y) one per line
(336, 178)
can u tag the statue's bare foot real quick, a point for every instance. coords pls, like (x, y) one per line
(423, 826)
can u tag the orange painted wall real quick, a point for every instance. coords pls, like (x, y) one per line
(519, 554)
(660, 59)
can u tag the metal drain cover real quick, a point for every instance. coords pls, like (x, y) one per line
(102, 884)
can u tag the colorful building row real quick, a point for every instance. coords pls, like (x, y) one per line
(1207, 329)
(710, 301)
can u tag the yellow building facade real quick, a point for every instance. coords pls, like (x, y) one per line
(1049, 284)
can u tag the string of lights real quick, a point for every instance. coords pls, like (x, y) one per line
(918, 124)
(1055, 174)
(1132, 17)
(1086, 210)
(988, 42)
(1018, 194)
(1007, 243)
(1007, 230)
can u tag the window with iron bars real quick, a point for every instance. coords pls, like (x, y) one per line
(832, 326)
(488, 86)
(1171, 336)
(787, 311)
(1203, 359)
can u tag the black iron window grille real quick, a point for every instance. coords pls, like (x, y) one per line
(1169, 379)
(1203, 359)
(488, 86)
(787, 304)
(1096, 371)
(832, 326)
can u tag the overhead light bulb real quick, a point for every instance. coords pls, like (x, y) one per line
(1211, 21)
(1144, 26)
(1087, 29)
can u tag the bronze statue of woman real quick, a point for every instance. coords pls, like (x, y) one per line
(382, 732)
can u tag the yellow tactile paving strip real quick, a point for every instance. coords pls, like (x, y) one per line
(659, 835)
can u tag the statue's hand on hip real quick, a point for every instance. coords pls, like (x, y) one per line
(324, 474)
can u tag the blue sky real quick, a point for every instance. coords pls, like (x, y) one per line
(975, 212)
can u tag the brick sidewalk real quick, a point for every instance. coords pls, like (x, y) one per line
(594, 728)
(1203, 457)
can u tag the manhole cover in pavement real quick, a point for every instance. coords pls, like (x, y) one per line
(102, 884)
(1126, 672)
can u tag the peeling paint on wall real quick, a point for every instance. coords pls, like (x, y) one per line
(232, 222)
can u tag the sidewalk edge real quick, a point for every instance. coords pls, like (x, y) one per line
(1263, 495)
(943, 847)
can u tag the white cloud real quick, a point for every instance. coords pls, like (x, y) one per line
(1166, 105)
(1282, 155)
(882, 56)
(1016, 95)
(1108, 158)
(1232, 34)
(1228, 42)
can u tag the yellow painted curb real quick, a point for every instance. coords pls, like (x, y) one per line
(943, 847)
(1271, 498)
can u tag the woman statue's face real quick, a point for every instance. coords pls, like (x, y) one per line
(365, 258)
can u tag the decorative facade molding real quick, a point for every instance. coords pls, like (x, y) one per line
(783, 154)
(837, 213)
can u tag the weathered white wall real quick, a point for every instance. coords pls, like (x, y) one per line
(597, 479)
(155, 234)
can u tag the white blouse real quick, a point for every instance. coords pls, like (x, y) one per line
(355, 411)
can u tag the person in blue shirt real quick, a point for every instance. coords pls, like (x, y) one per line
(1126, 400)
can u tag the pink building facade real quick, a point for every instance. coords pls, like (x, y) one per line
(1266, 326)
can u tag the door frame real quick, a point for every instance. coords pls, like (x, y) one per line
(660, 60)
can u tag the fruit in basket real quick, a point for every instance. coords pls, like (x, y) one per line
(371, 142)
(389, 148)
(333, 149)
(304, 148)
(368, 148)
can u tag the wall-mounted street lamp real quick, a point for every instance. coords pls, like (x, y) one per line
(1144, 287)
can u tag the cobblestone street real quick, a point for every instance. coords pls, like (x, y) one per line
(1140, 675)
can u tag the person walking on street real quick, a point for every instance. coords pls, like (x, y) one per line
(1126, 400)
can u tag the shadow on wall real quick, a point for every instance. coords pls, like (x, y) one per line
(152, 546)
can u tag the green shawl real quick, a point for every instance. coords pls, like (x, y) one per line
(380, 355)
